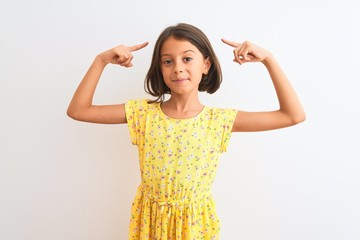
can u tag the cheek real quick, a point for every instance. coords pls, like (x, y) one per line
(166, 72)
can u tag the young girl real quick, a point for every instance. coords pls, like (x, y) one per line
(179, 140)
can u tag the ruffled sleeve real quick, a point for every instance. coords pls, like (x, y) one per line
(135, 111)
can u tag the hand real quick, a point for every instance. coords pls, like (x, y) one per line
(121, 54)
(247, 52)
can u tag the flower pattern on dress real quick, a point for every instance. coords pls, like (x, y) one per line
(178, 161)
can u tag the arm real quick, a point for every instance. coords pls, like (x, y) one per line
(81, 107)
(290, 111)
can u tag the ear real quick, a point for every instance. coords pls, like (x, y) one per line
(207, 65)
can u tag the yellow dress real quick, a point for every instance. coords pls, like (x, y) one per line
(178, 161)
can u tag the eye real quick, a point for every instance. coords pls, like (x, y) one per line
(167, 61)
(188, 59)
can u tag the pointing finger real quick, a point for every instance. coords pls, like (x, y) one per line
(138, 46)
(230, 43)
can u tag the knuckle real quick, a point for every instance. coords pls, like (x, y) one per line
(119, 47)
(248, 43)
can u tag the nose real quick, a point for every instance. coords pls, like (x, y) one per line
(179, 68)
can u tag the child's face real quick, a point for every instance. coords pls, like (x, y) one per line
(182, 66)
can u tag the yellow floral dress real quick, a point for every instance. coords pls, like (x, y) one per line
(178, 162)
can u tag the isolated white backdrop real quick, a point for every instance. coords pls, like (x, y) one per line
(62, 179)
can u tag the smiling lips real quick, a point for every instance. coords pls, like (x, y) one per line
(180, 80)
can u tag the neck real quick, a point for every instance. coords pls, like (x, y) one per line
(181, 103)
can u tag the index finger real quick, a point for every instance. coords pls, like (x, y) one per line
(138, 46)
(230, 43)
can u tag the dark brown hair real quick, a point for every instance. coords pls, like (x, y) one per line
(154, 82)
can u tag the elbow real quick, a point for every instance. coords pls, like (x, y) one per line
(78, 114)
(298, 118)
(72, 113)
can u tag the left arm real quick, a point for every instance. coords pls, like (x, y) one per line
(290, 111)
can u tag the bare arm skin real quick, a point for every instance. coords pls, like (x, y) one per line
(81, 107)
(290, 111)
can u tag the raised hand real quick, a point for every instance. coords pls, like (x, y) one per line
(121, 55)
(247, 52)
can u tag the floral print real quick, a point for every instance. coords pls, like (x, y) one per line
(178, 161)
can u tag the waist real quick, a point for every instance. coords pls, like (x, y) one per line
(186, 199)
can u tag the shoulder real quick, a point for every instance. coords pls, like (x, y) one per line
(224, 117)
(140, 107)
(140, 104)
(223, 113)
(137, 103)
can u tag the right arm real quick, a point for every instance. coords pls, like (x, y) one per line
(81, 107)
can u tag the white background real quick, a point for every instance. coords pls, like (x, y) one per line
(62, 179)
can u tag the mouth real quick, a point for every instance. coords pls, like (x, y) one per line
(180, 80)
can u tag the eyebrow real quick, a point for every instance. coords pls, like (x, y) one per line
(168, 54)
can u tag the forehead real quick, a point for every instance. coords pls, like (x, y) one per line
(175, 46)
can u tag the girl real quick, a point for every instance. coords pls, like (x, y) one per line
(179, 140)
